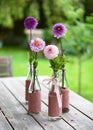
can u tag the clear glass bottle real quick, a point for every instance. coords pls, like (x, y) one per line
(34, 94)
(54, 99)
(65, 92)
(28, 80)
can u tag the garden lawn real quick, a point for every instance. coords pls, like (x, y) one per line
(20, 66)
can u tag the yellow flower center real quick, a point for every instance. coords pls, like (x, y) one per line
(58, 28)
(37, 43)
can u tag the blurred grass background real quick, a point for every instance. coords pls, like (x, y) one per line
(20, 68)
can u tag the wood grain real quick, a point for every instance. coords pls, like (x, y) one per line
(80, 116)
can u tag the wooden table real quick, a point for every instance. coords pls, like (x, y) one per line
(13, 110)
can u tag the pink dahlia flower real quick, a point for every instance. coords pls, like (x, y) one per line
(37, 45)
(51, 51)
(59, 30)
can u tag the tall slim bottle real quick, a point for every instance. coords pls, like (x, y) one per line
(28, 80)
(34, 94)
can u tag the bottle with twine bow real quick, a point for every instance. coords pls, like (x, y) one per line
(54, 99)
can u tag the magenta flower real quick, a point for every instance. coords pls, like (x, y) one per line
(51, 51)
(37, 45)
(59, 30)
(30, 23)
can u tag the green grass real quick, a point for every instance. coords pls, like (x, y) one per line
(20, 66)
(87, 78)
(20, 62)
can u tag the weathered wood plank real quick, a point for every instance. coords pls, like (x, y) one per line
(17, 89)
(82, 104)
(75, 118)
(15, 113)
(4, 125)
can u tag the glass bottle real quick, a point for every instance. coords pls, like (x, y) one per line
(54, 99)
(28, 80)
(34, 94)
(65, 93)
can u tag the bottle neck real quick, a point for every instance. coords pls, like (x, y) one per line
(34, 85)
(55, 82)
(29, 74)
(55, 74)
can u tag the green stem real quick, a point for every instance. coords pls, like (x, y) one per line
(63, 66)
(54, 76)
(34, 74)
(30, 54)
(30, 37)
(34, 71)
(61, 47)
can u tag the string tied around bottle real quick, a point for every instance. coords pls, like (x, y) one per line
(55, 88)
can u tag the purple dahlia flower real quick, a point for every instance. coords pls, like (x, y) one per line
(59, 30)
(37, 45)
(30, 23)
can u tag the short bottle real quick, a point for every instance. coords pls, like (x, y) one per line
(54, 100)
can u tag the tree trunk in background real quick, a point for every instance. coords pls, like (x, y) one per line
(43, 19)
(88, 7)
(79, 74)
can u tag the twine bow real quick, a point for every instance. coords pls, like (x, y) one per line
(56, 88)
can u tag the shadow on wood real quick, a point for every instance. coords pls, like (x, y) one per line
(6, 68)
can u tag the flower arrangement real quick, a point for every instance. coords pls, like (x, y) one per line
(37, 45)
(57, 62)
(51, 52)
(30, 23)
(59, 30)
(55, 55)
